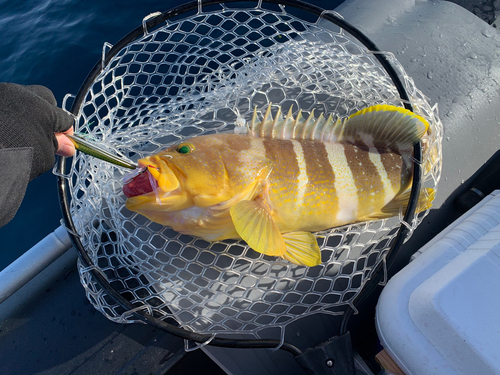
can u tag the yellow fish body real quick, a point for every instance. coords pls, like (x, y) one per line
(283, 180)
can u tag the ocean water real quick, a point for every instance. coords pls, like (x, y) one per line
(55, 43)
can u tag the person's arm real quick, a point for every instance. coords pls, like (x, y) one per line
(32, 130)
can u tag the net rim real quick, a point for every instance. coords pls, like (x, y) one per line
(145, 28)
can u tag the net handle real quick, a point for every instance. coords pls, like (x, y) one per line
(147, 25)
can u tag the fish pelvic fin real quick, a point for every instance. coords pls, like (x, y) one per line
(302, 249)
(384, 126)
(255, 225)
(400, 203)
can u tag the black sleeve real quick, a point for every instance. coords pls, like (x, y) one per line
(29, 117)
(16, 167)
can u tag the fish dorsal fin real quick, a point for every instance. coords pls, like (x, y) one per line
(289, 127)
(383, 126)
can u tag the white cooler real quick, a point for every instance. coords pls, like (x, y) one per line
(441, 313)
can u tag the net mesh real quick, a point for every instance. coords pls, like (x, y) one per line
(202, 74)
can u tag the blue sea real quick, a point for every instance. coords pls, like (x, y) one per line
(56, 43)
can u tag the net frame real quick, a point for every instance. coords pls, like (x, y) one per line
(88, 268)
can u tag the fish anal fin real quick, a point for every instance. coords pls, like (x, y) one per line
(302, 249)
(248, 192)
(253, 222)
(400, 203)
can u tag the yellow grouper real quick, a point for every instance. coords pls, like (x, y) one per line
(283, 180)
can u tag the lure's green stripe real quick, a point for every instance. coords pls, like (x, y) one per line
(91, 149)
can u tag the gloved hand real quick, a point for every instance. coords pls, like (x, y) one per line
(29, 118)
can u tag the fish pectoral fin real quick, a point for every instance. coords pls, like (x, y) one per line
(205, 200)
(247, 194)
(253, 222)
(400, 203)
(302, 249)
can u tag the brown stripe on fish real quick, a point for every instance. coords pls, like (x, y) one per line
(286, 170)
(320, 193)
(370, 188)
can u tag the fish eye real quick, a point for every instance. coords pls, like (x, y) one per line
(184, 148)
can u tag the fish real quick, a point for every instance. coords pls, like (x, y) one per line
(285, 179)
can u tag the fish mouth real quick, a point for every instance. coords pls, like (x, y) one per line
(152, 175)
(155, 188)
(137, 183)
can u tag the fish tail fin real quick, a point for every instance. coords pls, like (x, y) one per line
(400, 203)
(425, 199)
(302, 249)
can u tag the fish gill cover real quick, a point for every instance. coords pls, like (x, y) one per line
(205, 74)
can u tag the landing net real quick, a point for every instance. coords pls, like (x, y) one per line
(203, 73)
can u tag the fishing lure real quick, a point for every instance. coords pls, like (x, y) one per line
(92, 149)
